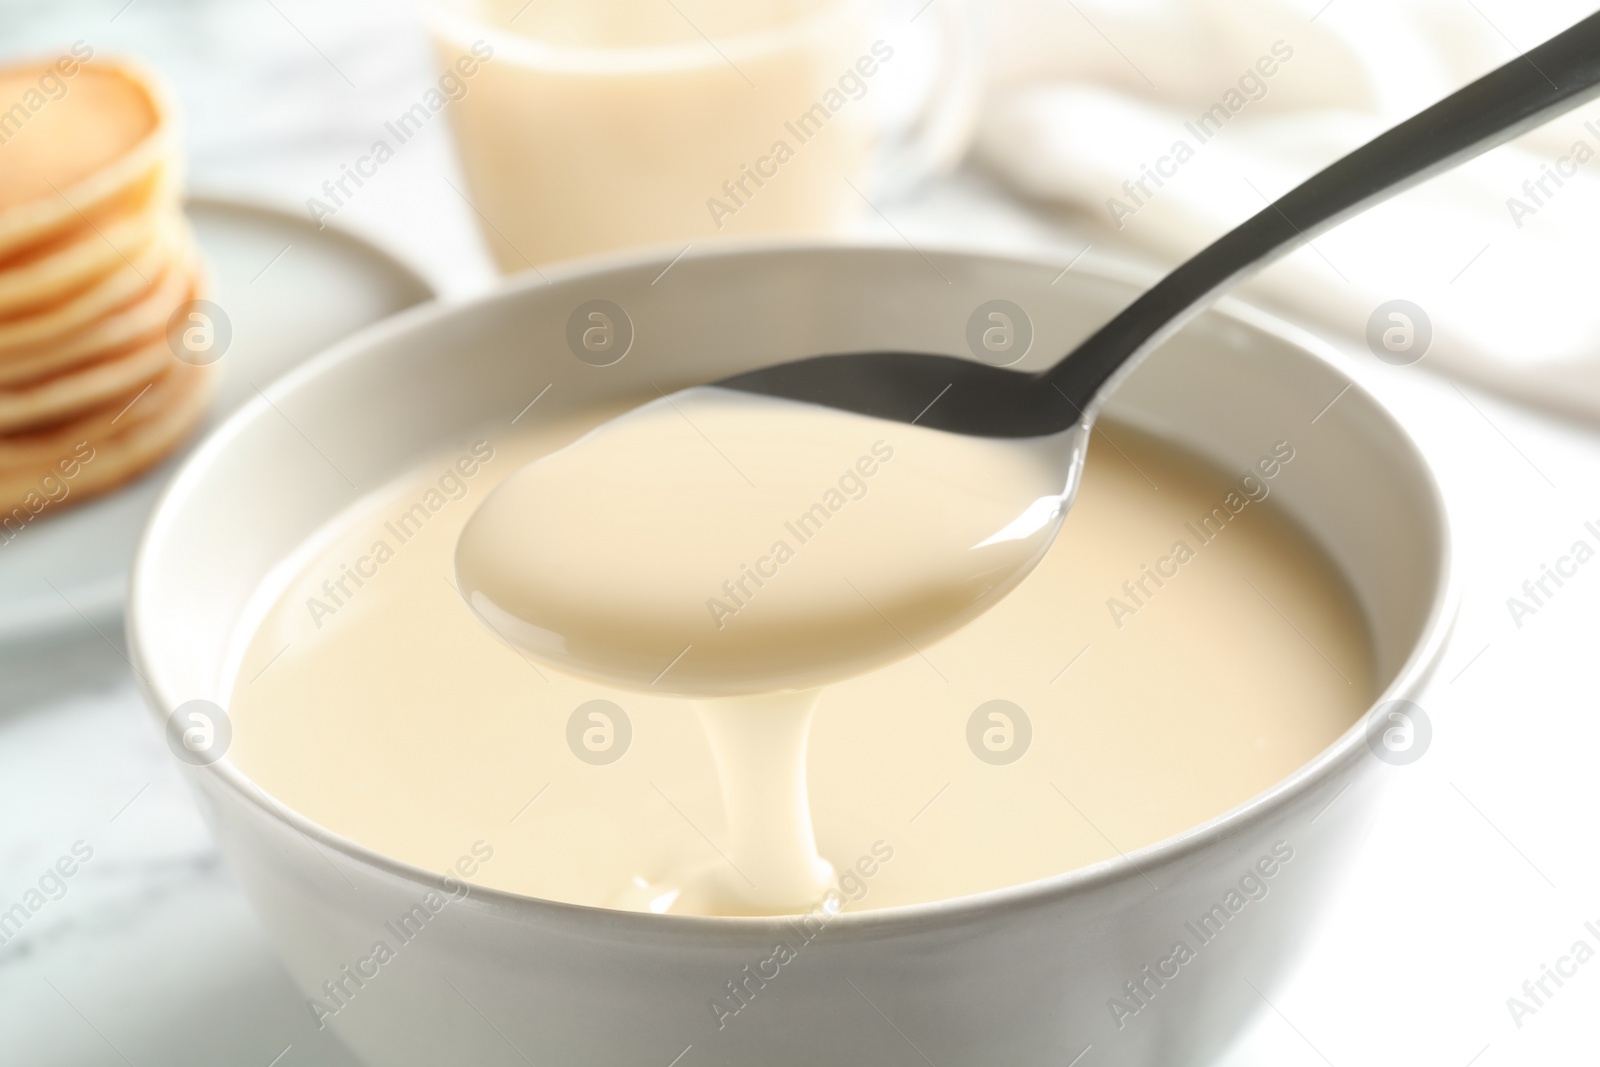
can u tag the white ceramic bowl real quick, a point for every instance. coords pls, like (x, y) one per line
(1019, 976)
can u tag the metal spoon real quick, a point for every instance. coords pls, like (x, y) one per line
(985, 401)
(636, 613)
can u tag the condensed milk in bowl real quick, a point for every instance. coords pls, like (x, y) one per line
(1091, 816)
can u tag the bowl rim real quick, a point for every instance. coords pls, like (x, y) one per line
(1348, 748)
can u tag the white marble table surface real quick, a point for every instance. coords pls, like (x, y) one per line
(1484, 867)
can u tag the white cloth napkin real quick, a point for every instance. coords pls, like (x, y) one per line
(1087, 94)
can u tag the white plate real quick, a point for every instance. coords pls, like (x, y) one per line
(289, 290)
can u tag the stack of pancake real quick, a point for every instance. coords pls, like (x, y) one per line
(95, 259)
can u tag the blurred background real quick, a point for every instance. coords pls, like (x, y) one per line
(1077, 131)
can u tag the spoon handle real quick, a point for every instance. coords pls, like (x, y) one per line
(1555, 77)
